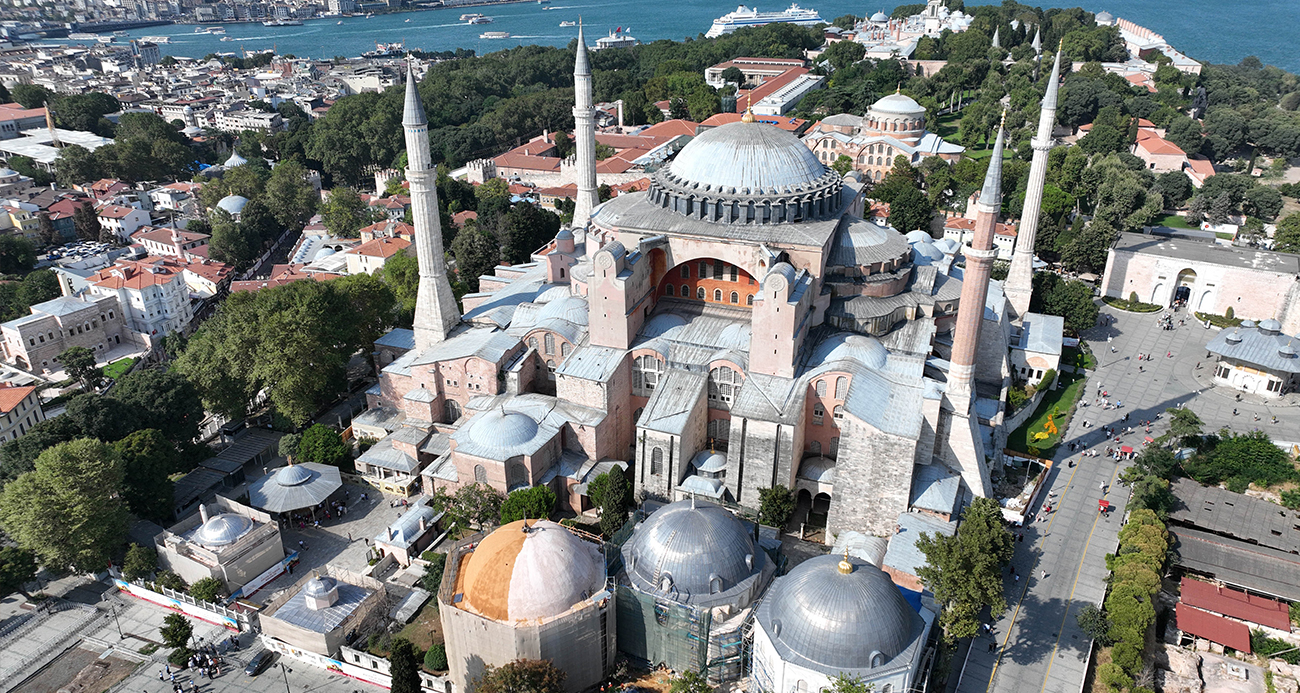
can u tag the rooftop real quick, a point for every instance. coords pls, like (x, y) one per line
(1182, 249)
(296, 612)
(1236, 516)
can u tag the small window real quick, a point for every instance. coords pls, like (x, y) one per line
(480, 474)
(699, 293)
(834, 448)
(550, 369)
(735, 297)
(735, 274)
(819, 414)
(686, 271)
(717, 295)
(749, 300)
(686, 291)
(704, 270)
(838, 412)
(670, 290)
(564, 349)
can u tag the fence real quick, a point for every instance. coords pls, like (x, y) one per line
(179, 601)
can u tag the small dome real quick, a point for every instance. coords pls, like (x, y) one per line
(1287, 351)
(947, 246)
(1233, 337)
(188, 110)
(503, 429)
(192, 131)
(750, 156)
(7, 172)
(691, 548)
(867, 351)
(919, 236)
(926, 253)
(1269, 325)
(709, 461)
(570, 307)
(1105, 16)
(324, 253)
(293, 475)
(1248, 323)
(235, 160)
(223, 529)
(531, 569)
(879, 18)
(897, 104)
(565, 234)
(834, 614)
(233, 203)
(320, 587)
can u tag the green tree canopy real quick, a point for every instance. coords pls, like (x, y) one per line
(148, 460)
(776, 506)
(164, 400)
(17, 255)
(176, 631)
(965, 570)
(525, 676)
(79, 362)
(344, 212)
(17, 568)
(140, 562)
(529, 503)
(68, 510)
(323, 445)
(208, 589)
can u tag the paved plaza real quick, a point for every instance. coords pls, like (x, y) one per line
(1037, 645)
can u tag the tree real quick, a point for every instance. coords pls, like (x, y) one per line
(231, 243)
(476, 254)
(529, 503)
(1152, 493)
(526, 228)
(79, 362)
(164, 400)
(85, 221)
(140, 562)
(1087, 251)
(433, 570)
(690, 681)
(1093, 622)
(733, 75)
(176, 631)
(436, 658)
(323, 445)
(1175, 187)
(102, 417)
(344, 212)
(1287, 236)
(17, 568)
(170, 580)
(288, 447)
(288, 194)
(404, 660)
(474, 505)
(965, 570)
(843, 163)
(147, 461)
(68, 510)
(17, 255)
(613, 495)
(843, 683)
(402, 275)
(207, 589)
(31, 95)
(842, 54)
(775, 506)
(1263, 201)
(38, 287)
(1184, 425)
(910, 211)
(522, 676)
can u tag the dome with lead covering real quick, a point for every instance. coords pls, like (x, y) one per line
(691, 551)
(293, 475)
(897, 104)
(235, 160)
(319, 587)
(530, 569)
(500, 428)
(833, 614)
(223, 529)
(234, 204)
(1270, 325)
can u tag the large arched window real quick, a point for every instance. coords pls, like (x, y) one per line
(480, 474)
(819, 414)
(686, 271)
(723, 383)
(657, 461)
(815, 447)
(452, 411)
(645, 375)
(841, 387)
(516, 475)
(821, 388)
(719, 432)
(550, 343)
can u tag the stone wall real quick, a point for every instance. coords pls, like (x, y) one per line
(873, 479)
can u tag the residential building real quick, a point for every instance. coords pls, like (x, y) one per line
(371, 255)
(155, 292)
(163, 242)
(21, 408)
(14, 119)
(121, 221)
(1036, 346)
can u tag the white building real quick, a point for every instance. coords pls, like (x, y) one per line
(1036, 346)
(1257, 359)
(155, 292)
(371, 256)
(121, 221)
(21, 407)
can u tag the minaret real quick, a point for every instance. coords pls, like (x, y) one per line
(435, 306)
(995, 38)
(975, 284)
(1038, 41)
(584, 136)
(1019, 286)
(49, 125)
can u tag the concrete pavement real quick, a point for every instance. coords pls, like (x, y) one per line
(1037, 644)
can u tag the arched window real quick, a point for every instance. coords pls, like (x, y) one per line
(735, 274)
(887, 688)
(719, 432)
(480, 474)
(821, 388)
(686, 291)
(452, 411)
(838, 412)
(841, 387)
(686, 271)
(657, 461)
(723, 383)
(645, 375)
(516, 475)
(564, 349)
(699, 293)
(670, 290)
(735, 297)
(815, 447)
(819, 414)
(749, 300)
(717, 295)
(877, 659)
(704, 270)
(550, 343)
(834, 448)
(550, 369)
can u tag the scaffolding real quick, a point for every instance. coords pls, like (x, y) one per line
(656, 632)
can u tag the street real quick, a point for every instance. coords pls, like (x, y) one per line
(1037, 644)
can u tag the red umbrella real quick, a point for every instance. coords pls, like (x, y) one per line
(1126, 449)
(1149, 439)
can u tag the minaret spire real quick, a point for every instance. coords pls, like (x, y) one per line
(584, 137)
(1020, 278)
(995, 38)
(435, 306)
(1038, 41)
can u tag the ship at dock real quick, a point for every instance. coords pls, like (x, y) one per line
(746, 17)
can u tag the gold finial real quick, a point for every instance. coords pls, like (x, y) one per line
(845, 566)
(748, 115)
(899, 88)
(1060, 46)
(1004, 119)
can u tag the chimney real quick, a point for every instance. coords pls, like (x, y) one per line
(203, 513)
(424, 525)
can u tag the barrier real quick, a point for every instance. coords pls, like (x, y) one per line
(258, 582)
(184, 603)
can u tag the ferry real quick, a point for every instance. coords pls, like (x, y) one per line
(282, 22)
(105, 39)
(83, 36)
(157, 39)
(210, 30)
(494, 35)
(120, 34)
(386, 50)
(746, 17)
(618, 38)
(475, 19)
(568, 24)
(226, 38)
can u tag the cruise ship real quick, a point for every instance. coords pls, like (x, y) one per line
(282, 22)
(746, 17)
(494, 35)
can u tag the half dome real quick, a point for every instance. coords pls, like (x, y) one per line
(752, 156)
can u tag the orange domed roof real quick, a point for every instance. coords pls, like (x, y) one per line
(530, 569)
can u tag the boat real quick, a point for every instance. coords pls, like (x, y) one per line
(83, 36)
(157, 39)
(386, 50)
(406, 20)
(568, 24)
(340, 22)
(746, 17)
(543, 2)
(282, 22)
(227, 38)
(370, 15)
(105, 39)
(494, 35)
(120, 34)
(481, 20)
(216, 30)
(618, 38)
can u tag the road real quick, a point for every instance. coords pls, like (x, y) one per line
(1037, 646)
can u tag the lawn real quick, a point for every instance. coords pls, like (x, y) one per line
(1133, 306)
(1072, 356)
(426, 629)
(1218, 320)
(1057, 404)
(1173, 221)
(118, 368)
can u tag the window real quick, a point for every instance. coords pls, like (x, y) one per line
(819, 414)
(564, 349)
(699, 293)
(636, 415)
(452, 411)
(717, 295)
(550, 369)
(723, 383)
(841, 387)
(480, 474)
(719, 432)
(735, 274)
(821, 388)
(645, 375)
(670, 290)
(657, 461)
(516, 474)
(838, 412)
(735, 297)
(550, 343)
(749, 300)
(686, 271)
(718, 269)
(532, 343)
(704, 270)
(686, 291)
(815, 447)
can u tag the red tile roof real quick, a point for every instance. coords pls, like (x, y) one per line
(115, 211)
(459, 218)
(784, 122)
(969, 225)
(382, 247)
(1154, 144)
(11, 397)
(670, 129)
(1238, 605)
(769, 87)
(1217, 629)
(15, 111)
(162, 235)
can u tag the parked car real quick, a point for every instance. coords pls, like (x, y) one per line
(258, 663)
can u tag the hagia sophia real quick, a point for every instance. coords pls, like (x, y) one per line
(737, 326)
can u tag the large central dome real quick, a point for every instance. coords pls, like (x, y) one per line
(748, 155)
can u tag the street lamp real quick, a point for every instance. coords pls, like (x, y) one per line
(283, 670)
(112, 609)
